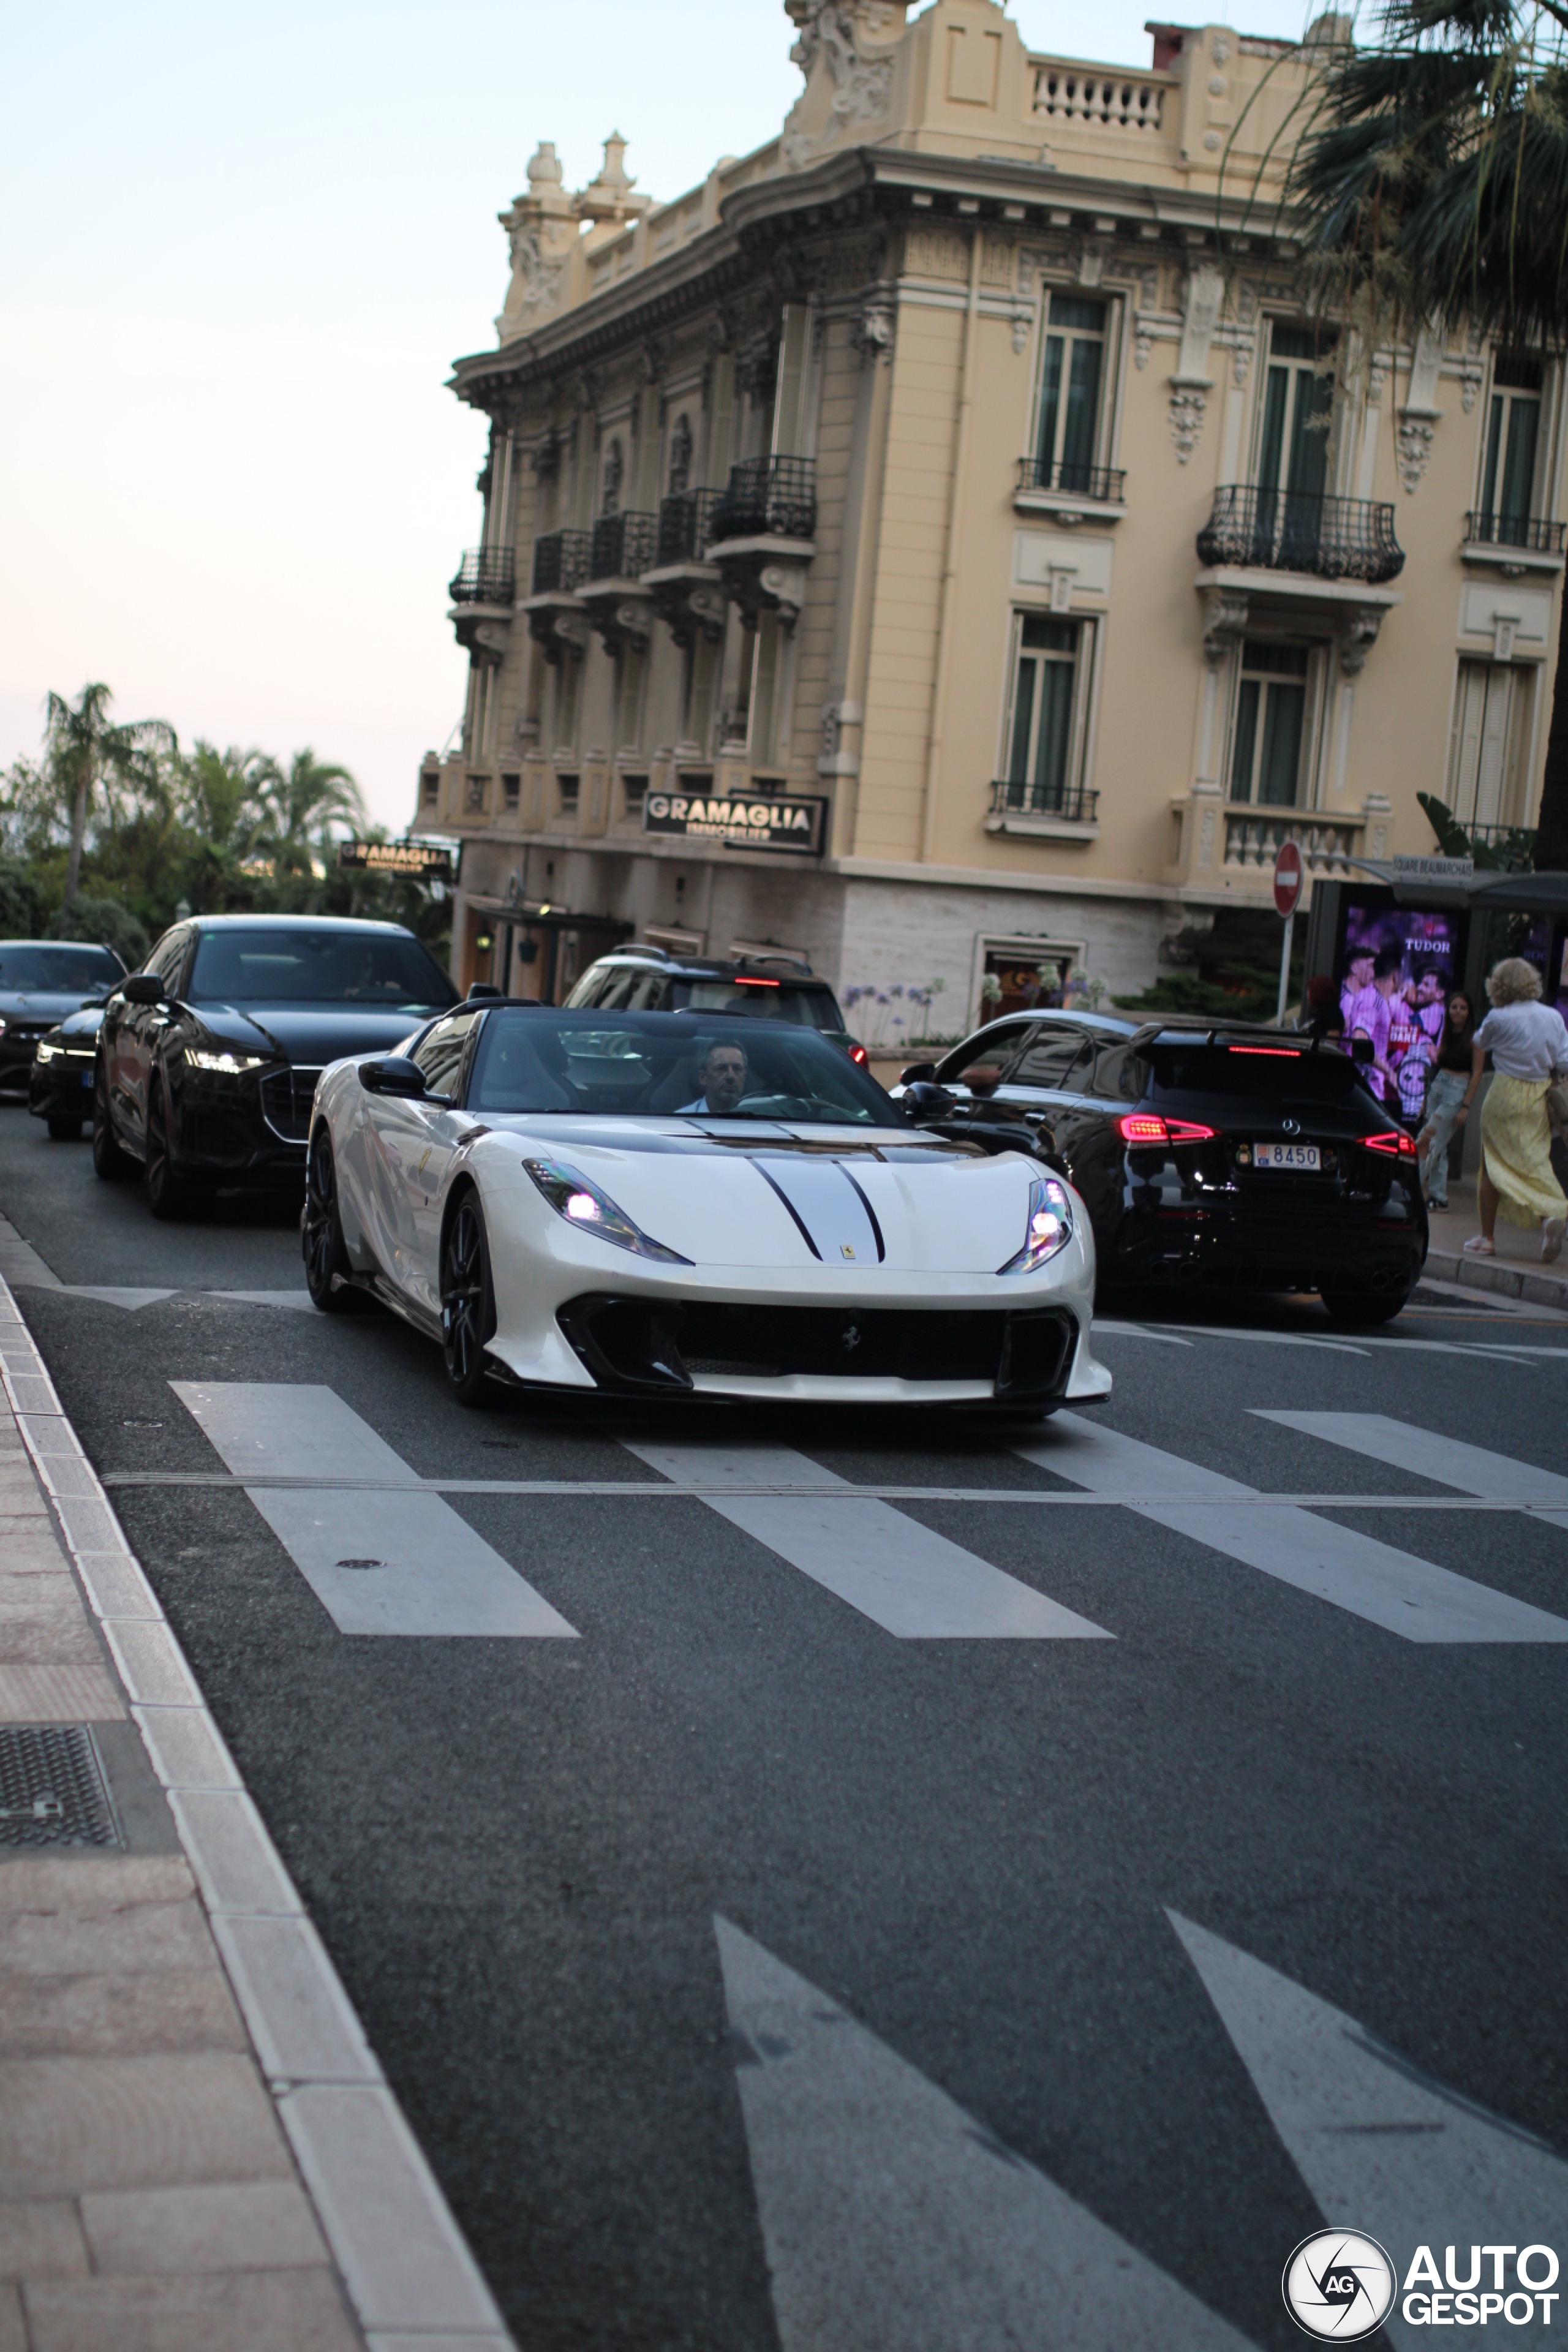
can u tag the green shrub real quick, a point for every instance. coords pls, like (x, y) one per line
(106, 923)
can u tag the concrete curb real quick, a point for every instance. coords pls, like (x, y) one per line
(410, 2277)
(1504, 1277)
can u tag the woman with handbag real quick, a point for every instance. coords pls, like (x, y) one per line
(1527, 1041)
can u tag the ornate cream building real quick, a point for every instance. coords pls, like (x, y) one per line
(941, 543)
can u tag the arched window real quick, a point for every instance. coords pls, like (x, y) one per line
(680, 445)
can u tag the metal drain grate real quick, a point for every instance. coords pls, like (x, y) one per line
(52, 1791)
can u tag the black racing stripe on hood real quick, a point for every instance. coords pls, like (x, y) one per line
(789, 1204)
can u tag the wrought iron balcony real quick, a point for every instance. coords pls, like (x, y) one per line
(768, 498)
(686, 526)
(623, 546)
(560, 561)
(1106, 483)
(1531, 532)
(1286, 531)
(1073, 804)
(487, 575)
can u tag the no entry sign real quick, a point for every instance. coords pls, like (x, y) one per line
(1288, 878)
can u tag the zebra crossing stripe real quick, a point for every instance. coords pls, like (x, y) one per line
(1433, 1454)
(891, 2218)
(382, 1557)
(914, 1583)
(1404, 1595)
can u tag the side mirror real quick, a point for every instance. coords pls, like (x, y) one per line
(919, 1074)
(922, 1100)
(396, 1074)
(144, 988)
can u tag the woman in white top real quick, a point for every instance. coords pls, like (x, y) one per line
(1527, 1041)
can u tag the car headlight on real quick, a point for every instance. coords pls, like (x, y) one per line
(1049, 1227)
(583, 1204)
(225, 1064)
(47, 1052)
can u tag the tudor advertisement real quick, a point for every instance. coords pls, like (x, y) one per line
(743, 822)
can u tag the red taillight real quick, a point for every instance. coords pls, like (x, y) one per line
(738, 982)
(1392, 1145)
(859, 1053)
(1287, 1053)
(1142, 1127)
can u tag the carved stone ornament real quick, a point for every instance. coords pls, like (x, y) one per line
(1358, 635)
(1022, 324)
(692, 608)
(536, 283)
(1225, 618)
(1189, 405)
(1417, 427)
(872, 333)
(1143, 340)
(830, 37)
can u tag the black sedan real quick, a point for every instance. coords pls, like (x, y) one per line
(42, 980)
(208, 1057)
(63, 1064)
(1241, 1157)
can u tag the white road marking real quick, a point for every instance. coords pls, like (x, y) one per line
(1404, 1595)
(1102, 1329)
(894, 2222)
(294, 1298)
(1433, 1454)
(911, 1582)
(1381, 2146)
(423, 1570)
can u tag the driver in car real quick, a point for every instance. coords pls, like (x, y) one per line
(722, 1075)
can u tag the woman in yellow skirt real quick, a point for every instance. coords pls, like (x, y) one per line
(1527, 1041)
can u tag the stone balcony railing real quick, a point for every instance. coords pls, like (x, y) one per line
(1100, 97)
(1253, 840)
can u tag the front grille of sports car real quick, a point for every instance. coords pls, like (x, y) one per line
(286, 1099)
(640, 1343)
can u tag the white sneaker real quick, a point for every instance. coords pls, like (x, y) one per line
(1552, 1233)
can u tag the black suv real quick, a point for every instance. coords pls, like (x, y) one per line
(42, 982)
(641, 979)
(208, 1056)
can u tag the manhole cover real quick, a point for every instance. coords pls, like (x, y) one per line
(52, 1791)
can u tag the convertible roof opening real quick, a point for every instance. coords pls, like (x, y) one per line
(698, 1064)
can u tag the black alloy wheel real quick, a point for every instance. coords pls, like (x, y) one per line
(467, 1302)
(65, 1130)
(327, 1268)
(168, 1191)
(109, 1162)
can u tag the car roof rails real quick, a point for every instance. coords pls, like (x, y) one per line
(775, 955)
(483, 992)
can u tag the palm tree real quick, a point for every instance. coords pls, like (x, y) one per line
(224, 801)
(304, 802)
(1432, 187)
(85, 752)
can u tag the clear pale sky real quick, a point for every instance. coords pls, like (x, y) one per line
(243, 244)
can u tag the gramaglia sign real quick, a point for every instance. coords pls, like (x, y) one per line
(422, 859)
(741, 821)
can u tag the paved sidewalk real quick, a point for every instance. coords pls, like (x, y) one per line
(174, 2175)
(1515, 1272)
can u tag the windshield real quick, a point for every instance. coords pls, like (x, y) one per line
(325, 967)
(765, 999)
(666, 1064)
(61, 972)
(1255, 1073)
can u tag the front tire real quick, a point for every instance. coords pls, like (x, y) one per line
(168, 1192)
(65, 1130)
(467, 1302)
(109, 1162)
(328, 1268)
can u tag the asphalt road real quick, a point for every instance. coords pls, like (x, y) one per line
(754, 1976)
